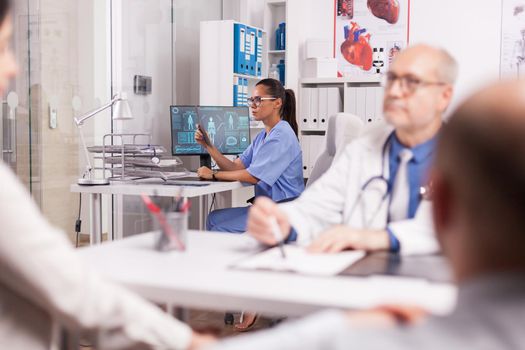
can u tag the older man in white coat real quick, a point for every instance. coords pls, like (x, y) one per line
(479, 205)
(371, 198)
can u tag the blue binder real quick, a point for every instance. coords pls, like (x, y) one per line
(259, 52)
(252, 59)
(245, 92)
(236, 101)
(239, 48)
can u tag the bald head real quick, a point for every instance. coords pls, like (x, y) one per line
(480, 172)
(438, 60)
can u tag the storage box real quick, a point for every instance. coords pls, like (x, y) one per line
(318, 48)
(320, 68)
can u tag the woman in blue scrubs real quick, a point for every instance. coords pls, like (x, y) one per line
(272, 162)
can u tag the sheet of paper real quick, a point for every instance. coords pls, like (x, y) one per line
(300, 261)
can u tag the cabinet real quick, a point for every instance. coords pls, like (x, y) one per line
(321, 98)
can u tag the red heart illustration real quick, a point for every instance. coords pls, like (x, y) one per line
(385, 9)
(356, 48)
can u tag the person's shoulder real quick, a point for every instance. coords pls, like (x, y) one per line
(374, 135)
(283, 128)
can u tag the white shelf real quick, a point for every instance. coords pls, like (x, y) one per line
(362, 79)
(276, 52)
(251, 77)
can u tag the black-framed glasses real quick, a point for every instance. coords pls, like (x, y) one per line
(257, 100)
(407, 83)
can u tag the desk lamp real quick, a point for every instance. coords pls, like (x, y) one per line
(120, 112)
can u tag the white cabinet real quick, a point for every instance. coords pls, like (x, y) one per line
(320, 98)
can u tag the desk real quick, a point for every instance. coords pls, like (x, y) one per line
(136, 189)
(201, 278)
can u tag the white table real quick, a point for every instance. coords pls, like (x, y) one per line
(201, 278)
(185, 189)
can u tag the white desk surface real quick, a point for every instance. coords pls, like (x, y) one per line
(201, 278)
(160, 189)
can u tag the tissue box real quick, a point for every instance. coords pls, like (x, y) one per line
(320, 68)
(318, 48)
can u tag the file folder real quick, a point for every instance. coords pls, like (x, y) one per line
(305, 146)
(239, 49)
(313, 120)
(323, 109)
(236, 92)
(259, 52)
(252, 62)
(245, 92)
(305, 108)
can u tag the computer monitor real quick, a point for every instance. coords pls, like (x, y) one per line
(227, 127)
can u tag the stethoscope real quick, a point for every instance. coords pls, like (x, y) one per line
(382, 182)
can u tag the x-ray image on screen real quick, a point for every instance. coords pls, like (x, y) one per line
(228, 128)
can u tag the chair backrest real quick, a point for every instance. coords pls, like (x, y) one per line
(342, 129)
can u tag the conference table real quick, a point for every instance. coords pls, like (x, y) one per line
(205, 277)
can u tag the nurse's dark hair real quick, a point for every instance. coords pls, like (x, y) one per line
(5, 6)
(287, 112)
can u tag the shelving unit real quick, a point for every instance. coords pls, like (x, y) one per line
(275, 12)
(217, 65)
(361, 96)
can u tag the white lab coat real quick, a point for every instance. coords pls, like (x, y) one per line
(330, 199)
(42, 280)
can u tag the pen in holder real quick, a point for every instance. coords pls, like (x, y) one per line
(173, 226)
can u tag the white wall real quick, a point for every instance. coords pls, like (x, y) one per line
(469, 29)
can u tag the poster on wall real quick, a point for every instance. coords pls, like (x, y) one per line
(512, 59)
(368, 34)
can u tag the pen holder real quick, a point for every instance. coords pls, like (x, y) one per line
(172, 234)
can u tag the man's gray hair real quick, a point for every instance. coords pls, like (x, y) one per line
(447, 69)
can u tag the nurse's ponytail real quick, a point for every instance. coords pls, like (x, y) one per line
(287, 112)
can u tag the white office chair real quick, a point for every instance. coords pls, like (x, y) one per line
(342, 129)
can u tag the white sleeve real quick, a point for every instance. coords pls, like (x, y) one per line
(321, 205)
(38, 262)
(417, 235)
(314, 332)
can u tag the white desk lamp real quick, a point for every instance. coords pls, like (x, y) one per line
(121, 111)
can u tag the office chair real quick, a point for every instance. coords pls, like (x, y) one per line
(342, 129)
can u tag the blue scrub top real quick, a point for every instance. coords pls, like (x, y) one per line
(276, 160)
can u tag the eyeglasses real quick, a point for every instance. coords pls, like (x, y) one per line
(257, 100)
(407, 83)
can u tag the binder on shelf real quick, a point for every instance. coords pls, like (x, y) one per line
(370, 105)
(259, 52)
(252, 62)
(239, 48)
(322, 115)
(334, 104)
(380, 94)
(245, 91)
(236, 92)
(305, 147)
(316, 147)
(313, 119)
(360, 103)
(305, 108)
(350, 101)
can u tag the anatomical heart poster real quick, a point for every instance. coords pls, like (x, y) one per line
(512, 61)
(368, 34)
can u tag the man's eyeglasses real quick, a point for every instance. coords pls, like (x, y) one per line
(257, 100)
(407, 83)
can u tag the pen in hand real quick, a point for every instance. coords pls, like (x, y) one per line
(277, 234)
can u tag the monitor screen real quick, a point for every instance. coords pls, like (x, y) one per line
(227, 127)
